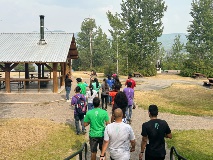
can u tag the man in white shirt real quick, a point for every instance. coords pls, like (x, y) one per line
(118, 136)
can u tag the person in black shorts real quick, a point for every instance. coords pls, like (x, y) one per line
(155, 130)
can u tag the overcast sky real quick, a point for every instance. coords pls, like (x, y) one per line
(67, 15)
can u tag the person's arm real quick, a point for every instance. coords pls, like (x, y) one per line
(143, 146)
(169, 135)
(104, 147)
(132, 145)
(107, 122)
(86, 124)
(112, 118)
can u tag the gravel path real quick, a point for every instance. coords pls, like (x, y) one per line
(55, 108)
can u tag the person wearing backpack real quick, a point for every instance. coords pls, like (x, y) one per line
(97, 118)
(80, 108)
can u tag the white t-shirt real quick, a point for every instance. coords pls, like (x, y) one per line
(119, 136)
(89, 97)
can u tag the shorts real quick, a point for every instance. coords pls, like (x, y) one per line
(94, 142)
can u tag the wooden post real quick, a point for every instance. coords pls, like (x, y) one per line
(26, 73)
(55, 78)
(62, 74)
(39, 71)
(7, 77)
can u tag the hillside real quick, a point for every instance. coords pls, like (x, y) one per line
(167, 40)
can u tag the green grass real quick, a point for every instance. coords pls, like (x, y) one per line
(193, 144)
(38, 139)
(181, 99)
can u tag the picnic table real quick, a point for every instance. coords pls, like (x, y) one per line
(137, 74)
(208, 83)
(198, 75)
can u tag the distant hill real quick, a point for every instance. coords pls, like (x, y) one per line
(167, 40)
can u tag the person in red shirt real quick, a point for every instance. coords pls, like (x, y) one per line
(131, 80)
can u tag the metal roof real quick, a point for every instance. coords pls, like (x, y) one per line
(24, 47)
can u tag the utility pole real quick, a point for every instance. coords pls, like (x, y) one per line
(90, 39)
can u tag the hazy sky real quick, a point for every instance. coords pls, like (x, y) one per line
(67, 15)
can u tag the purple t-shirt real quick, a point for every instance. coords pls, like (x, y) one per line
(129, 94)
(74, 100)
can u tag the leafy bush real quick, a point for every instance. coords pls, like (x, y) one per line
(149, 71)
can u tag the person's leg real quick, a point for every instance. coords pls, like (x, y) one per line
(90, 106)
(82, 125)
(77, 124)
(149, 157)
(130, 112)
(106, 100)
(93, 147)
(127, 113)
(102, 101)
(67, 93)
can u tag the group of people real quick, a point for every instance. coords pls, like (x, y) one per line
(119, 136)
(114, 132)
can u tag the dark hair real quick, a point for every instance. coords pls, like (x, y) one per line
(130, 75)
(96, 81)
(153, 110)
(91, 89)
(78, 79)
(96, 102)
(129, 84)
(78, 89)
(121, 102)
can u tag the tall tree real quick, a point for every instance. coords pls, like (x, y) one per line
(139, 24)
(200, 35)
(84, 42)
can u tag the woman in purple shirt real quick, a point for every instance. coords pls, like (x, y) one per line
(129, 92)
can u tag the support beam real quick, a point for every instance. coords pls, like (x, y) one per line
(27, 73)
(55, 78)
(7, 77)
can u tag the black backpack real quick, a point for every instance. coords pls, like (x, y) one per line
(81, 106)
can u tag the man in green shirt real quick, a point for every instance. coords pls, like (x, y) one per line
(96, 118)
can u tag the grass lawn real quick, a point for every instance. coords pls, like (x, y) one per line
(193, 144)
(182, 99)
(37, 139)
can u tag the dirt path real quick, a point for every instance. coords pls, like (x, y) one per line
(55, 108)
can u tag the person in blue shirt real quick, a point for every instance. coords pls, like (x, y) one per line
(110, 82)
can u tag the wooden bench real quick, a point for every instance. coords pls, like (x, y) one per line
(137, 74)
(208, 83)
(198, 75)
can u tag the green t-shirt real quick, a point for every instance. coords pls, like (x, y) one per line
(96, 88)
(97, 118)
(83, 87)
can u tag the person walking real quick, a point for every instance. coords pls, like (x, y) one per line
(131, 80)
(129, 92)
(82, 85)
(68, 84)
(77, 116)
(117, 137)
(121, 102)
(96, 85)
(110, 82)
(132, 86)
(154, 130)
(97, 118)
(90, 95)
(104, 94)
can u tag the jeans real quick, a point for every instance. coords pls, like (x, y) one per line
(90, 106)
(68, 89)
(104, 99)
(77, 126)
(128, 112)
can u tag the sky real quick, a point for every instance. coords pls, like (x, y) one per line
(22, 16)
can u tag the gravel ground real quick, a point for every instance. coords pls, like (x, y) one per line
(55, 108)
